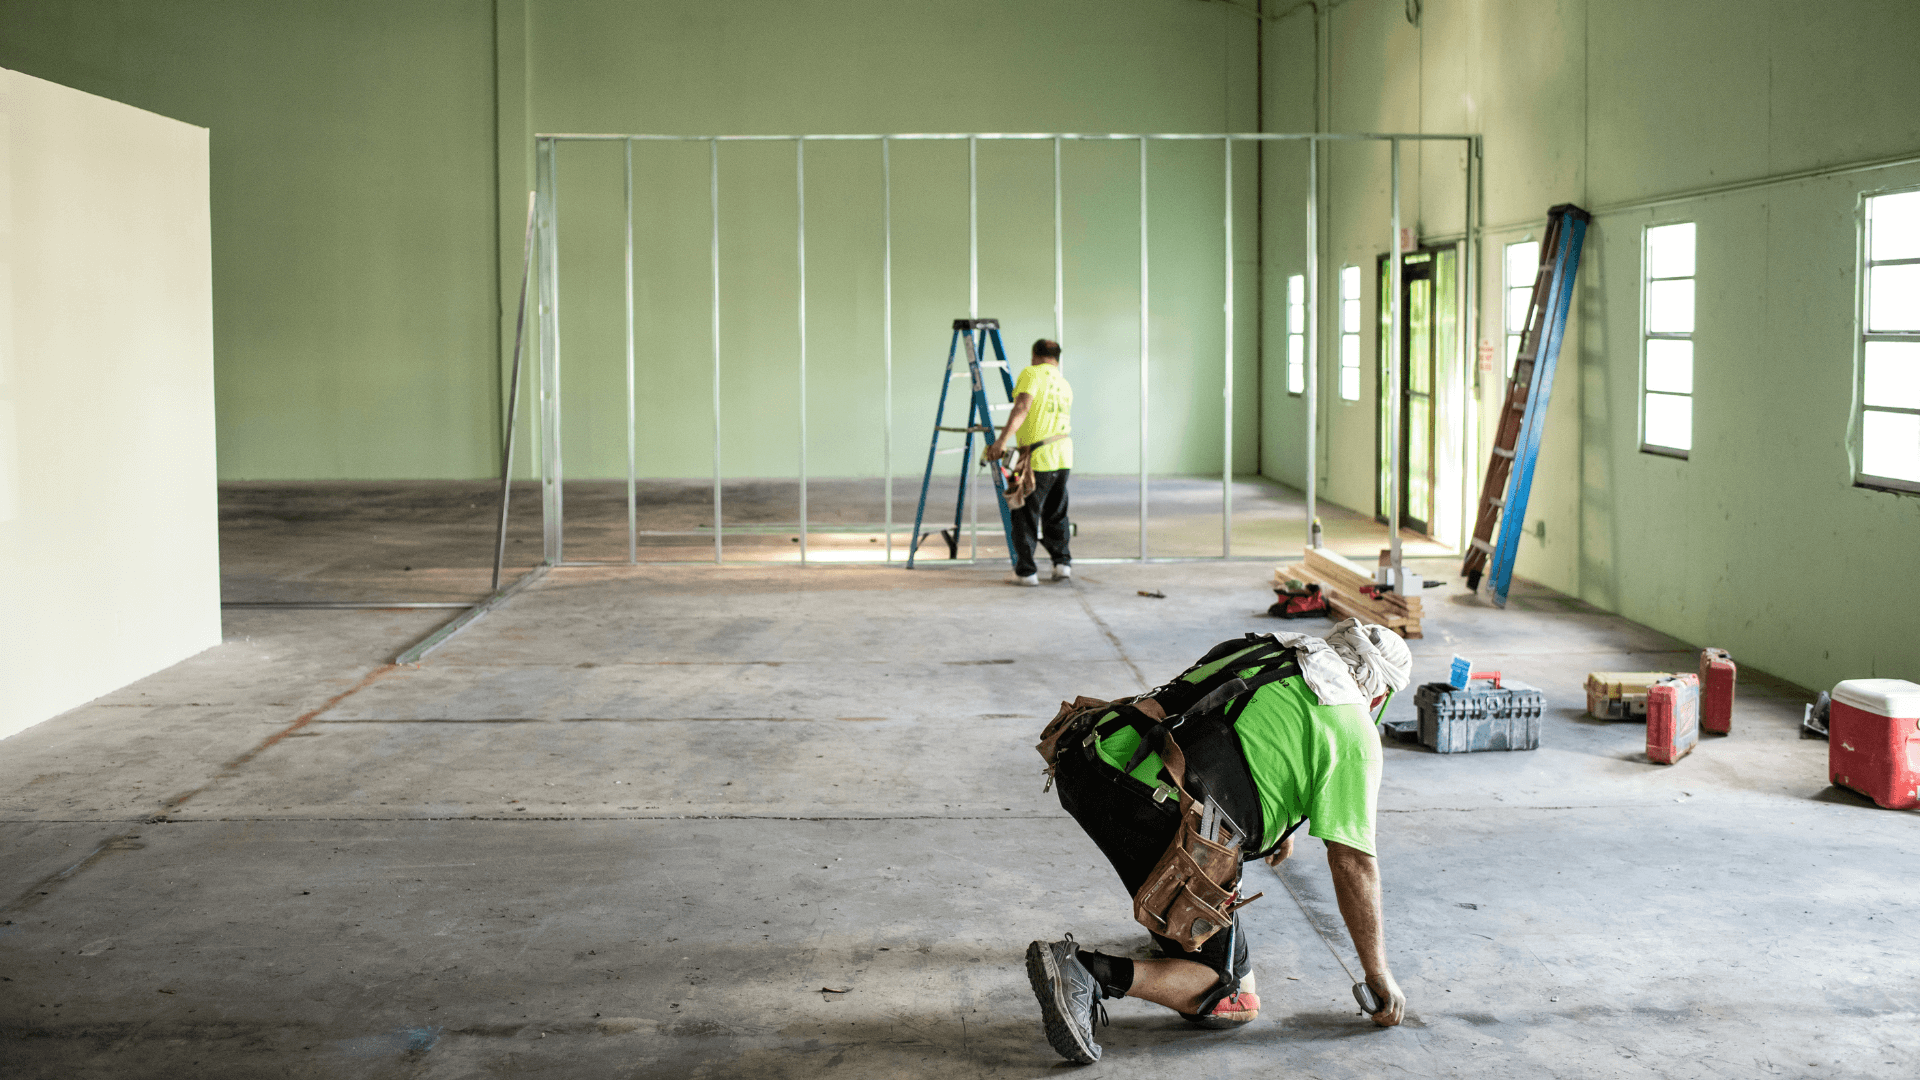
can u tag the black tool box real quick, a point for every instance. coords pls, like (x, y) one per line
(1486, 715)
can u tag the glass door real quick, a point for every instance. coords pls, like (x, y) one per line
(1424, 276)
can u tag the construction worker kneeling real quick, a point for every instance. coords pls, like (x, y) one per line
(1182, 784)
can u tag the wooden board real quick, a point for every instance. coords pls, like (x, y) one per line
(1342, 585)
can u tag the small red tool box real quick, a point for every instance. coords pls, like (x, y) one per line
(1717, 672)
(1673, 718)
(1873, 740)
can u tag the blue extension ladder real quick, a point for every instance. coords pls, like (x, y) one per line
(976, 334)
(1516, 446)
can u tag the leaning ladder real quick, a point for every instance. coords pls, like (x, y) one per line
(1516, 444)
(975, 334)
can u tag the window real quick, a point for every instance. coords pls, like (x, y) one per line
(1890, 343)
(1666, 393)
(1523, 265)
(1297, 334)
(1350, 333)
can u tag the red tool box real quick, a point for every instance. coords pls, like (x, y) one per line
(1873, 740)
(1673, 718)
(1717, 672)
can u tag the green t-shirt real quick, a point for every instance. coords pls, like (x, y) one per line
(1311, 760)
(1308, 760)
(1046, 416)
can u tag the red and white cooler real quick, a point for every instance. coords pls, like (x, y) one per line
(1873, 740)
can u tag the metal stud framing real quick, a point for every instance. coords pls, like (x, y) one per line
(547, 417)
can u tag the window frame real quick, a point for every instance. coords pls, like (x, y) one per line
(1510, 339)
(1862, 335)
(1359, 300)
(1297, 339)
(1648, 334)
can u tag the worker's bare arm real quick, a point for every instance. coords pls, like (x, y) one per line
(1021, 403)
(1356, 883)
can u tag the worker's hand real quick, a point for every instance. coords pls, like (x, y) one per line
(1389, 991)
(1281, 853)
(995, 450)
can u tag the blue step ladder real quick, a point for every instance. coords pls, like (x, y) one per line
(976, 335)
(1516, 445)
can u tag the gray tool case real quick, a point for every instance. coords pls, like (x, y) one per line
(1484, 716)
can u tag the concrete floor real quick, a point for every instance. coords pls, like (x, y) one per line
(404, 540)
(632, 824)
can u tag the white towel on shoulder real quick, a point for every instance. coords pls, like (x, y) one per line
(1353, 664)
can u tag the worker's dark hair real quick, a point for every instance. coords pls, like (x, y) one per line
(1048, 349)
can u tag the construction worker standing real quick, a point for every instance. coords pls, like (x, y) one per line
(1180, 785)
(1037, 480)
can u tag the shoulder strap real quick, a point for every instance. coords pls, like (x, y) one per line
(1153, 735)
(1226, 659)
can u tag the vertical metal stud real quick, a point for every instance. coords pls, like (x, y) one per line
(1226, 426)
(1059, 265)
(1394, 316)
(513, 398)
(973, 312)
(1143, 349)
(633, 520)
(1313, 336)
(713, 193)
(800, 243)
(1468, 294)
(973, 228)
(886, 327)
(551, 473)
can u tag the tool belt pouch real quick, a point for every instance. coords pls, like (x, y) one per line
(1019, 477)
(1067, 726)
(1193, 891)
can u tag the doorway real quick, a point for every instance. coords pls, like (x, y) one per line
(1429, 294)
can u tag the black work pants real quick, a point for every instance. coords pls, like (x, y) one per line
(1133, 831)
(1043, 515)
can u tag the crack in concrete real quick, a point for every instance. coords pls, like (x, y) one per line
(125, 842)
(1112, 638)
(270, 741)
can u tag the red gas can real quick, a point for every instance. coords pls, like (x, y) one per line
(1717, 673)
(1873, 740)
(1673, 718)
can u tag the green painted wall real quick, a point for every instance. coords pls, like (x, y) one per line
(852, 66)
(1758, 542)
(353, 213)
(370, 159)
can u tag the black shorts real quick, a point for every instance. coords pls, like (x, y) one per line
(1133, 831)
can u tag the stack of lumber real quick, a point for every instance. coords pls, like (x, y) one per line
(1351, 593)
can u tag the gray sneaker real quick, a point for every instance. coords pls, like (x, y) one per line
(1069, 998)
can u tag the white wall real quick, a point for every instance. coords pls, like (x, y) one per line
(109, 547)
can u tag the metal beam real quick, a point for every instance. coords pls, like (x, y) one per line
(1226, 425)
(1397, 335)
(1143, 349)
(551, 472)
(633, 521)
(886, 328)
(1006, 136)
(513, 396)
(446, 633)
(800, 246)
(1313, 340)
(713, 193)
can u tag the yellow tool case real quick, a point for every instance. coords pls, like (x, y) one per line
(1620, 695)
